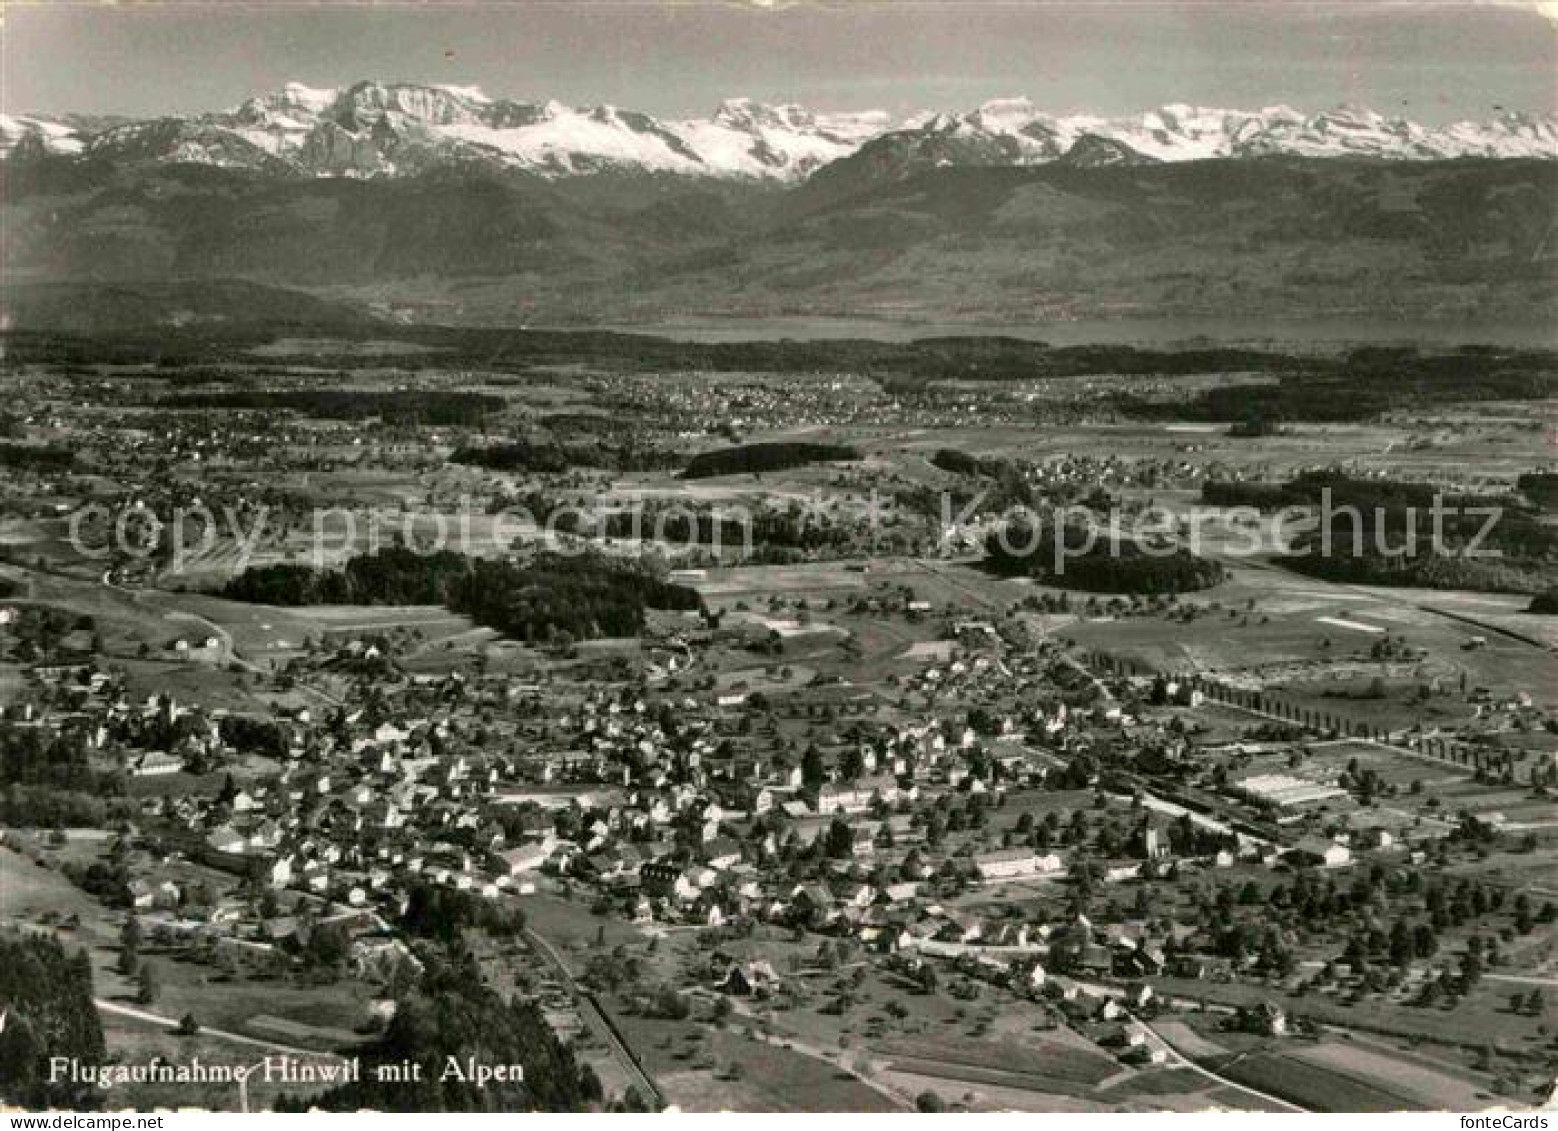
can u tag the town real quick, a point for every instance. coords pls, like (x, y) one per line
(851, 805)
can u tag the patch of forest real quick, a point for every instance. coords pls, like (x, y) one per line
(49, 1012)
(1362, 385)
(1424, 570)
(583, 595)
(963, 463)
(552, 456)
(1401, 533)
(1398, 538)
(1074, 557)
(1540, 487)
(752, 459)
(393, 406)
(1309, 489)
(452, 1017)
(31, 457)
(904, 366)
(761, 534)
(51, 780)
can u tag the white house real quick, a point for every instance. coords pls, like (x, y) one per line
(1006, 863)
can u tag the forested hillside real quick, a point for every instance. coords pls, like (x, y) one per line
(46, 1000)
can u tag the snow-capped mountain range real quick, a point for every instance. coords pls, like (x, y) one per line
(1178, 132)
(378, 130)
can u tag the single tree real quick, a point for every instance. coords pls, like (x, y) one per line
(146, 985)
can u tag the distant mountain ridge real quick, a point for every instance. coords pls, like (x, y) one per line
(374, 129)
(1087, 237)
(377, 130)
(1179, 132)
(426, 204)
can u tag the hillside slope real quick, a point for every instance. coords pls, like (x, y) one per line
(1289, 237)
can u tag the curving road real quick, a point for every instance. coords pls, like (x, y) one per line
(1180, 1060)
(595, 1018)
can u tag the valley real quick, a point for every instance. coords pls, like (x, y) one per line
(629, 559)
(720, 740)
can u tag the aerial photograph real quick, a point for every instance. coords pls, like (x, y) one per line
(867, 556)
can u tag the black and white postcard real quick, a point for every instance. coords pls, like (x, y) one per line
(681, 556)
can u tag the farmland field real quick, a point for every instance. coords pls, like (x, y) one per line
(1336, 1077)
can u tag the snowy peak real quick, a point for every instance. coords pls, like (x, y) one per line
(375, 129)
(312, 99)
(380, 129)
(367, 103)
(40, 135)
(746, 114)
(1508, 135)
(179, 141)
(744, 138)
(1181, 132)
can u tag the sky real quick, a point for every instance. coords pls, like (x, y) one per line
(1429, 61)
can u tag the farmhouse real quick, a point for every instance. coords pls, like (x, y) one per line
(1009, 862)
(832, 797)
(155, 763)
(1317, 851)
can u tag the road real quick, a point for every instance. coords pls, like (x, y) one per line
(929, 566)
(227, 651)
(270, 1047)
(599, 1024)
(1182, 1061)
(988, 603)
(1522, 980)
